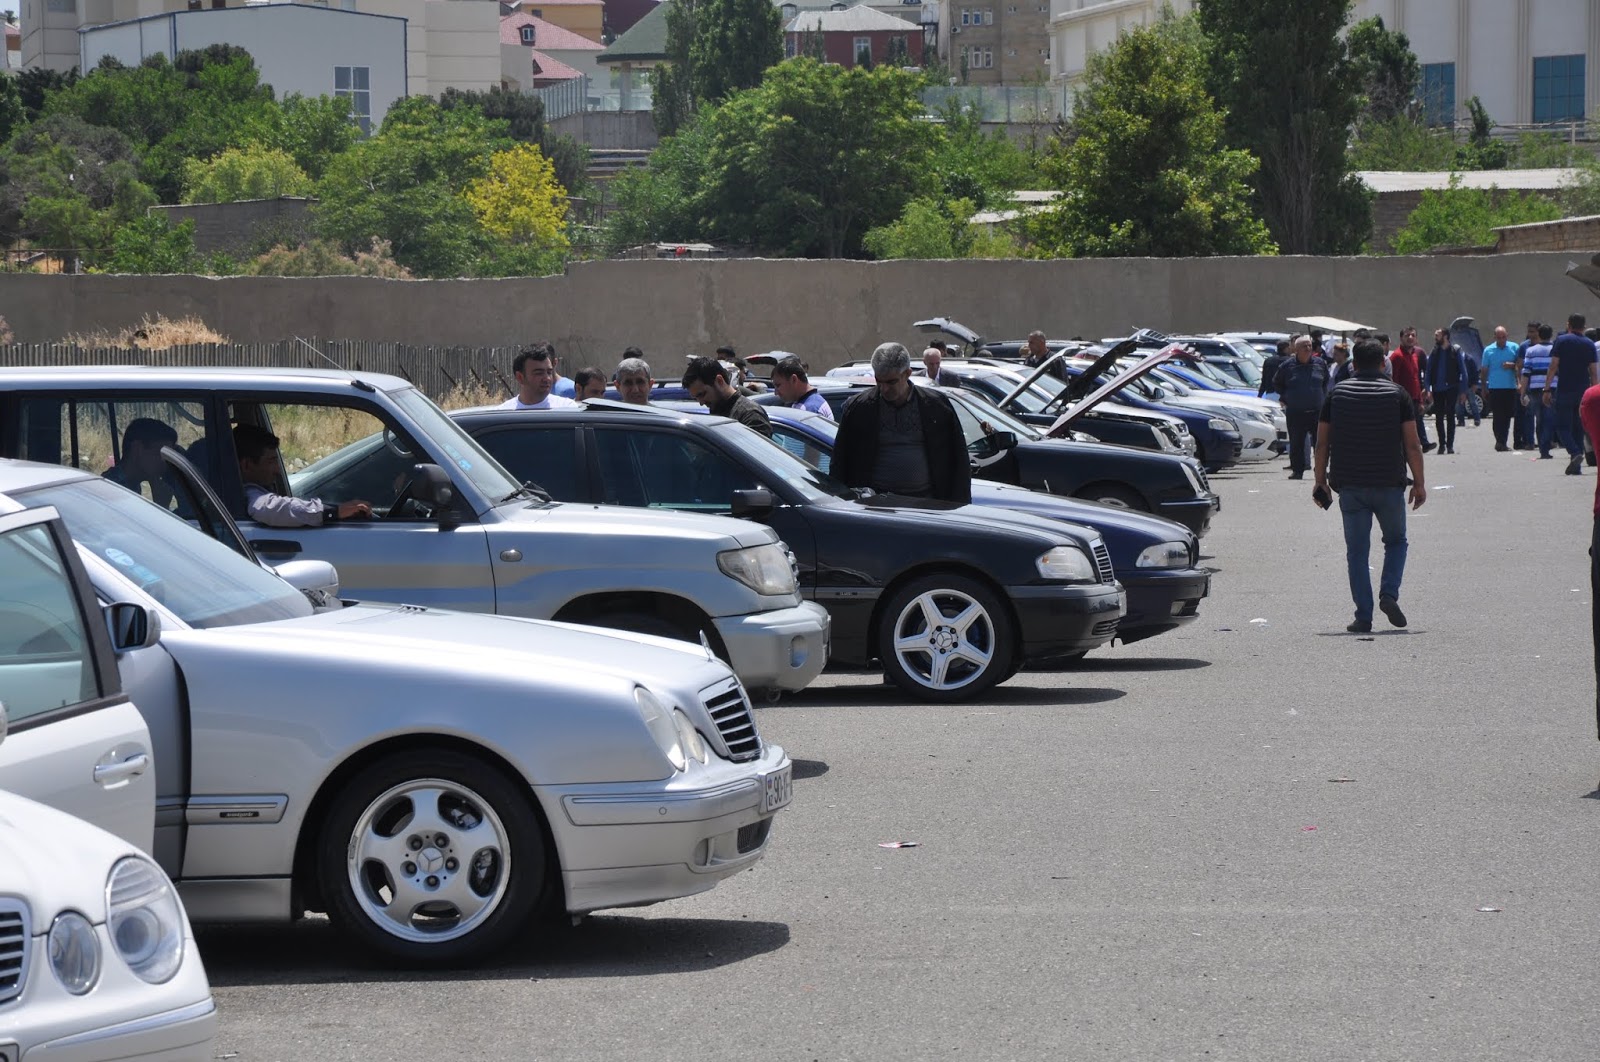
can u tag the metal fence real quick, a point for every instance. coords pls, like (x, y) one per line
(1004, 103)
(435, 370)
(564, 98)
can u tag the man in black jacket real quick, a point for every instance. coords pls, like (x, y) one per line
(898, 438)
(707, 383)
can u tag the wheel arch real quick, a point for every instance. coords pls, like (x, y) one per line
(671, 608)
(1085, 492)
(940, 568)
(306, 891)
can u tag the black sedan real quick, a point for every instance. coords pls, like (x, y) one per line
(1006, 450)
(950, 599)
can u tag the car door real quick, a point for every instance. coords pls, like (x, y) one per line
(339, 451)
(545, 455)
(74, 739)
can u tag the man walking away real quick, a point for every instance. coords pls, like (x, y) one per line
(1572, 371)
(1530, 388)
(707, 382)
(1302, 385)
(1499, 369)
(1405, 370)
(1447, 378)
(794, 388)
(898, 438)
(1368, 430)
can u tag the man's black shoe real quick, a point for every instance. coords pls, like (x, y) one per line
(1391, 608)
(1501, 448)
(1360, 627)
(1547, 457)
(1575, 466)
(1428, 446)
(1297, 475)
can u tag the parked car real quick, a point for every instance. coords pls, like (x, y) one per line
(431, 779)
(451, 528)
(1155, 559)
(949, 600)
(1006, 450)
(97, 960)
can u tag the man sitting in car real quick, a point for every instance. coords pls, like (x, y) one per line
(141, 462)
(262, 472)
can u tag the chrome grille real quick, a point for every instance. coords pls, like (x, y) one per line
(1102, 563)
(14, 940)
(730, 711)
(1105, 627)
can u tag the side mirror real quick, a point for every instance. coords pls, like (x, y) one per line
(317, 580)
(753, 504)
(432, 487)
(1157, 392)
(131, 626)
(993, 445)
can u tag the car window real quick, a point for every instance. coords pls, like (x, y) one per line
(669, 471)
(801, 446)
(455, 447)
(46, 657)
(545, 456)
(334, 452)
(202, 581)
(120, 440)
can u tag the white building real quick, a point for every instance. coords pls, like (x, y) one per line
(449, 43)
(315, 51)
(1526, 60)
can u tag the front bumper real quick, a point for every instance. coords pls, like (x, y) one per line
(630, 844)
(783, 649)
(1193, 513)
(1160, 600)
(1056, 620)
(1258, 443)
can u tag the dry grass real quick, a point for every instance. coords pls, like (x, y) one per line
(470, 393)
(152, 333)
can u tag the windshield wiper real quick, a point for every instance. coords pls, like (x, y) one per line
(529, 489)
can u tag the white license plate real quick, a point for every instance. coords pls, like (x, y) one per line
(778, 789)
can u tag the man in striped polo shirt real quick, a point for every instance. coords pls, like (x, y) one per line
(1368, 428)
(1535, 371)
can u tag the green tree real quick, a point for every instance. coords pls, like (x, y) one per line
(314, 129)
(1143, 169)
(735, 41)
(1282, 74)
(1403, 142)
(404, 186)
(149, 245)
(1483, 151)
(1386, 69)
(672, 81)
(68, 184)
(1581, 198)
(523, 114)
(937, 228)
(816, 155)
(661, 201)
(35, 84)
(13, 116)
(1467, 217)
(975, 165)
(254, 172)
(520, 201)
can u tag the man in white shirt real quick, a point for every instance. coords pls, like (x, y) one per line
(262, 472)
(535, 369)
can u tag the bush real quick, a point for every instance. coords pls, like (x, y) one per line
(1458, 217)
(152, 333)
(320, 258)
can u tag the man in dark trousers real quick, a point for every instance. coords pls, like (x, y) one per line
(1572, 367)
(1368, 430)
(1302, 385)
(1446, 377)
(898, 438)
(1270, 367)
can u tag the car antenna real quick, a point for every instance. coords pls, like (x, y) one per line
(361, 385)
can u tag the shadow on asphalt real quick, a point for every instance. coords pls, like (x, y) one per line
(804, 769)
(1591, 796)
(1391, 632)
(874, 694)
(1093, 664)
(311, 952)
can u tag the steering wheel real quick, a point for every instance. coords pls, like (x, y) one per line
(407, 506)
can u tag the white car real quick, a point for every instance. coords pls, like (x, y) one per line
(431, 779)
(97, 961)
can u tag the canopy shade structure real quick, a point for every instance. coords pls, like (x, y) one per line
(1330, 324)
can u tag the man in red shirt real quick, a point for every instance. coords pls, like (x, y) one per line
(1589, 413)
(1405, 369)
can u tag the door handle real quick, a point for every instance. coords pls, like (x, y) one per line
(275, 545)
(110, 774)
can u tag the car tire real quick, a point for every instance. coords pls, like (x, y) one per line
(461, 899)
(945, 638)
(1114, 495)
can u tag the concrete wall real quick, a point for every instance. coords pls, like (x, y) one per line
(236, 228)
(635, 130)
(825, 311)
(1568, 234)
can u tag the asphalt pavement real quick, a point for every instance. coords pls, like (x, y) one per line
(1256, 838)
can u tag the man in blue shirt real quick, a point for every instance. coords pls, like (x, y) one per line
(1535, 373)
(1572, 370)
(1302, 385)
(792, 385)
(1499, 368)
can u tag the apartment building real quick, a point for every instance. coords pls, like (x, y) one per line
(999, 42)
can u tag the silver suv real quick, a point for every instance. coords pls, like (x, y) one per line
(450, 528)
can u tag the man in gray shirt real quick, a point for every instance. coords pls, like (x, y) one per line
(898, 438)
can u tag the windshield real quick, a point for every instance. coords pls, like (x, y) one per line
(201, 580)
(995, 418)
(811, 482)
(456, 446)
(1032, 399)
(1244, 369)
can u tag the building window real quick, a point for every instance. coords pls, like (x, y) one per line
(61, 6)
(1439, 93)
(788, 46)
(966, 16)
(354, 83)
(527, 34)
(863, 50)
(1557, 88)
(790, 11)
(988, 16)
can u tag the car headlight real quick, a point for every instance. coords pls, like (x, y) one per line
(1164, 555)
(1193, 477)
(1258, 415)
(1067, 563)
(144, 919)
(688, 737)
(764, 569)
(658, 720)
(74, 952)
(1219, 424)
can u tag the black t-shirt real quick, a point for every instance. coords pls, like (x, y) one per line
(1366, 415)
(1577, 353)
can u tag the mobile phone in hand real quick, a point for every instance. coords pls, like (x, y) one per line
(1322, 496)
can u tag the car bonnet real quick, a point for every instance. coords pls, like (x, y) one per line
(54, 861)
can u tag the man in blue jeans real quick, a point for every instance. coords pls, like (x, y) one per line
(1572, 372)
(1368, 428)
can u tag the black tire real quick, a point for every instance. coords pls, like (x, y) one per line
(470, 789)
(643, 623)
(918, 671)
(1115, 495)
